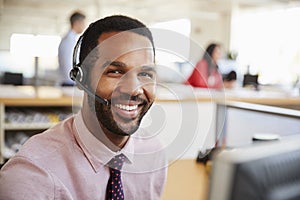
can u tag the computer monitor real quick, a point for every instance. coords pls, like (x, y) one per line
(250, 80)
(12, 78)
(264, 171)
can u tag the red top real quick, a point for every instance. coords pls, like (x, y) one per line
(199, 77)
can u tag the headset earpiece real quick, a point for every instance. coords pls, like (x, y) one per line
(76, 73)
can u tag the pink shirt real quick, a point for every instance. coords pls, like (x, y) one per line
(68, 162)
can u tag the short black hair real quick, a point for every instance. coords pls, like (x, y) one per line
(76, 16)
(110, 24)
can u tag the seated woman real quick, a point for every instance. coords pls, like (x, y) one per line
(206, 74)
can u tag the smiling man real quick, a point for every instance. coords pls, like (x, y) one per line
(100, 152)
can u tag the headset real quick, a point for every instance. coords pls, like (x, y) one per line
(77, 73)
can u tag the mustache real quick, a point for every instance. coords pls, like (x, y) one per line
(128, 97)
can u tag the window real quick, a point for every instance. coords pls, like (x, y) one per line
(269, 42)
(171, 39)
(23, 49)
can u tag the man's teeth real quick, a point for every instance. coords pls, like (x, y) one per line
(126, 107)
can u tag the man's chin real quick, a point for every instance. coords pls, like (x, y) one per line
(127, 126)
(127, 130)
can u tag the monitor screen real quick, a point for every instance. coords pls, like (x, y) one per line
(250, 80)
(264, 171)
(12, 78)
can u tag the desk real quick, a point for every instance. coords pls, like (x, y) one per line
(186, 179)
(243, 120)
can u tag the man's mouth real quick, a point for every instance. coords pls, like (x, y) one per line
(126, 107)
(128, 111)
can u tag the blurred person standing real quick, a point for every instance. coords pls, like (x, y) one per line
(206, 74)
(66, 46)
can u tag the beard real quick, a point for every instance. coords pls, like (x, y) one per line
(115, 123)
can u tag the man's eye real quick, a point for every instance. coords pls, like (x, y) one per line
(114, 72)
(146, 74)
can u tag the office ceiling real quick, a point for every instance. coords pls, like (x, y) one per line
(150, 10)
(51, 16)
(146, 5)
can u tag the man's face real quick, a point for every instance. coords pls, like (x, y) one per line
(79, 26)
(125, 75)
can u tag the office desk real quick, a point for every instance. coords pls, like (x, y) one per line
(187, 179)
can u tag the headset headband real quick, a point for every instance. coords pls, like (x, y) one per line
(75, 52)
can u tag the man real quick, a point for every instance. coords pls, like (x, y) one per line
(100, 153)
(65, 49)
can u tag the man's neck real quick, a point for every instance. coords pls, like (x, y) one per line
(116, 142)
(113, 141)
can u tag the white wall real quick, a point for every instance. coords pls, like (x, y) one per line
(34, 17)
(214, 28)
(35, 20)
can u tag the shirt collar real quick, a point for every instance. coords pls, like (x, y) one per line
(96, 152)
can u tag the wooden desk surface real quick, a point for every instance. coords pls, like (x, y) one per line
(37, 96)
(47, 95)
(186, 179)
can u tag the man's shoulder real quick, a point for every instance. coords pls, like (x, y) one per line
(52, 142)
(19, 177)
(70, 36)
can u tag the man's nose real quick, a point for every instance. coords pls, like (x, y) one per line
(130, 84)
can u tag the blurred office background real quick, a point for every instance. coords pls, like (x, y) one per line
(258, 36)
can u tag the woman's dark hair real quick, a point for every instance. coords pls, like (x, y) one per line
(208, 57)
(110, 24)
